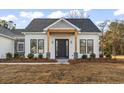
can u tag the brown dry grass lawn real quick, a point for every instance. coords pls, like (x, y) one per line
(75, 73)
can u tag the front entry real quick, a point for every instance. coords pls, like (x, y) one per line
(62, 48)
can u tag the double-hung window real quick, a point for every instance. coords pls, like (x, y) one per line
(40, 46)
(86, 46)
(20, 46)
(89, 46)
(83, 46)
(37, 46)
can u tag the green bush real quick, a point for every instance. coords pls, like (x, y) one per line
(8, 55)
(108, 55)
(40, 56)
(30, 55)
(101, 55)
(84, 56)
(16, 55)
(92, 55)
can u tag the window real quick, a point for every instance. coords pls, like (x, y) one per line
(20, 46)
(89, 46)
(33, 44)
(37, 46)
(40, 46)
(83, 46)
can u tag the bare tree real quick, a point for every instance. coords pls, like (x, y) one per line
(77, 14)
(102, 27)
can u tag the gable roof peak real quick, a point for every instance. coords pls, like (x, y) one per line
(59, 21)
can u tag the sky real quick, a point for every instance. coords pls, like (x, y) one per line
(22, 17)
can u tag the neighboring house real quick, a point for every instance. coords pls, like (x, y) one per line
(54, 38)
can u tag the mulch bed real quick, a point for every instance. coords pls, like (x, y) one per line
(98, 60)
(28, 60)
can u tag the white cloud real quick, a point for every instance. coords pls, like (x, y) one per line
(9, 17)
(57, 14)
(86, 10)
(31, 15)
(118, 12)
(23, 21)
(98, 22)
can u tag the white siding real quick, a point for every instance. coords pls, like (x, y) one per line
(62, 36)
(95, 40)
(27, 43)
(6, 45)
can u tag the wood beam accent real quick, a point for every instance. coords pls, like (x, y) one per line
(48, 41)
(61, 30)
(76, 41)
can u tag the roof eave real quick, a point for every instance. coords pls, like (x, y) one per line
(7, 36)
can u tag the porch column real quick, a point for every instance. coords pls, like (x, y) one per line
(75, 41)
(48, 40)
(75, 53)
(48, 45)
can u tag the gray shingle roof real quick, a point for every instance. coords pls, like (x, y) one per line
(16, 32)
(6, 32)
(37, 25)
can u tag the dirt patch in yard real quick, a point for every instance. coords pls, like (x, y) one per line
(86, 73)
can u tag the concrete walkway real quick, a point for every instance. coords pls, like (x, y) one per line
(62, 61)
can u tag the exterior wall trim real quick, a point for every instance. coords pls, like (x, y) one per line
(90, 33)
(33, 33)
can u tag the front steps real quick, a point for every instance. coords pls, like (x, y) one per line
(62, 61)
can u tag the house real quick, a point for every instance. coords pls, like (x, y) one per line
(54, 38)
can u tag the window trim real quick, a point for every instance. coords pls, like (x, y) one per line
(19, 42)
(85, 46)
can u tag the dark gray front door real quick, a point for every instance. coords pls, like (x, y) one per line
(62, 48)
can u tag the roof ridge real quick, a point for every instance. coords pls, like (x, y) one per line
(59, 18)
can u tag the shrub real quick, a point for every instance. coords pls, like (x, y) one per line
(30, 55)
(108, 55)
(16, 55)
(101, 55)
(8, 55)
(93, 55)
(84, 56)
(40, 56)
(22, 57)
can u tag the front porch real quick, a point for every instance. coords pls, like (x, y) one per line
(62, 43)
